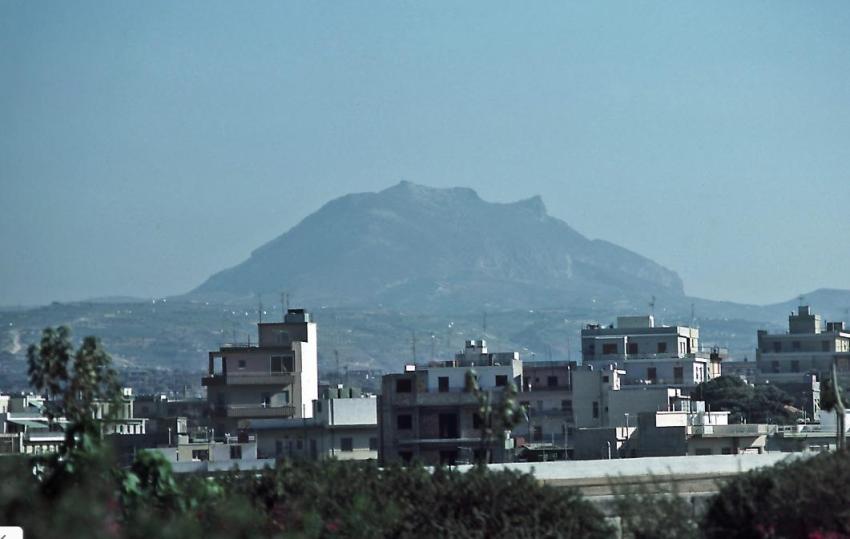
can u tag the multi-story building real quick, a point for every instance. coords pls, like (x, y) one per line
(344, 426)
(275, 379)
(650, 354)
(809, 346)
(430, 413)
(548, 401)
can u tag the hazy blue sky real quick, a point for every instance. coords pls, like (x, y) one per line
(146, 145)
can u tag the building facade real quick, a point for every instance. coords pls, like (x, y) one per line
(275, 379)
(809, 346)
(650, 354)
(430, 413)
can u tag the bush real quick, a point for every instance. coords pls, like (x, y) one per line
(800, 498)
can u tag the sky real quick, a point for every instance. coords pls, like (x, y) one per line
(146, 145)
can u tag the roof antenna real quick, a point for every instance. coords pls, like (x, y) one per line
(260, 308)
(652, 307)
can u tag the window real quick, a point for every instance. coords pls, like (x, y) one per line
(678, 375)
(795, 365)
(777, 346)
(609, 348)
(404, 385)
(566, 406)
(448, 425)
(235, 452)
(824, 346)
(405, 456)
(278, 447)
(443, 384)
(277, 364)
(201, 454)
(267, 399)
(346, 444)
(632, 348)
(605, 379)
(404, 422)
(299, 444)
(477, 423)
(241, 363)
(726, 451)
(501, 380)
(373, 444)
(651, 374)
(595, 410)
(552, 381)
(591, 349)
(795, 345)
(774, 366)
(662, 348)
(538, 434)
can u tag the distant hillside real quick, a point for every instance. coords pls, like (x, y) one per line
(417, 248)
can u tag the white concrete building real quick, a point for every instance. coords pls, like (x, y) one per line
(650, 354)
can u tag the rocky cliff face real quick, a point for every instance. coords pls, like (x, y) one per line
(419, 248)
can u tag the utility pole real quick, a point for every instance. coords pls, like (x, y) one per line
(413, 344)
(260, 308)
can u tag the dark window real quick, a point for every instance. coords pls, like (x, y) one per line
(795, 365)
(373, 444)
(824, 346)
(447, 424)
(609, 348)
(404, 385)
(405, 456)
(774, 366)
(404, 422)
(777, 346)
(651, 374)
(538, 434)
(319, 406)
(200, 454)
(267, 399)
(726, 451)
(299, 444)
(346, 444)
(278, 447)
(277, 364)
(476, 421)
(443, 383)
(795, 345)
(552, 381)
(235, 452)
(591, 349)
(567, 405)
(633, 348)
(678, 375)
(662, 348)
(595, 410)
(605, 379)
(501, 380)
(241, 363)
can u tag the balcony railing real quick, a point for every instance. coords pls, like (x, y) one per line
(248, 378)
(719, 431)
(253, 410)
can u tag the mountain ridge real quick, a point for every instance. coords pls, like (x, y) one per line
(413, 245)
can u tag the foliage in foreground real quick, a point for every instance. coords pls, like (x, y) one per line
(800, 498)
(330, 499)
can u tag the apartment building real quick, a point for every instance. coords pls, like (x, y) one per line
(810, 345)
(431, 414)
(276, 378)
(344, 426)
(650, 354)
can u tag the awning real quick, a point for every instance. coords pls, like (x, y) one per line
(28, 423)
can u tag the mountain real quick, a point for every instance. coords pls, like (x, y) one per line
(412, 247)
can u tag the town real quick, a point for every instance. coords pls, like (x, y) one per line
(635, 393)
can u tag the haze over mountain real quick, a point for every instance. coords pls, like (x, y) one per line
(421, 248)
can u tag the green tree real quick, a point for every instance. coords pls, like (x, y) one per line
(497, 418)
(762, 404)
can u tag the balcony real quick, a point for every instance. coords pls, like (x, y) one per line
(249, 379)
(723, 431)
(238, 411)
